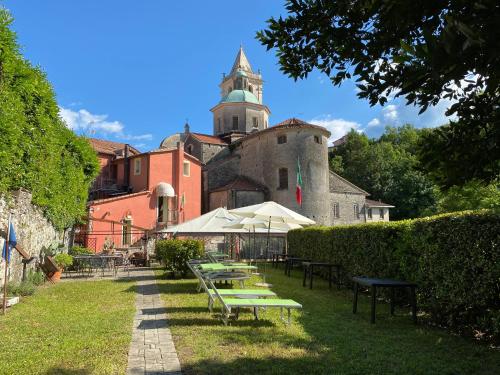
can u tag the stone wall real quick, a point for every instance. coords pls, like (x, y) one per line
(262, 157)
(346, 203)
(33, 231)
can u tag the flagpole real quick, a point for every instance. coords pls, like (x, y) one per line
(7, 256)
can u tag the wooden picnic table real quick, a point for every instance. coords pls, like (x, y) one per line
(309, 270)
(374, 283)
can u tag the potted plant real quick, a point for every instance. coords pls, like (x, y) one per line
(62, 261)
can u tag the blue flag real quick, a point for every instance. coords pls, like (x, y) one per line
(12, 243)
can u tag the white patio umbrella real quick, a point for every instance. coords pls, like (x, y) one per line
(272, 211)
(274, 214)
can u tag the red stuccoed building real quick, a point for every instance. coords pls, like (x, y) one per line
(136, 193)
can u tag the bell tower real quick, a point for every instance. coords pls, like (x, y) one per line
(240, 109)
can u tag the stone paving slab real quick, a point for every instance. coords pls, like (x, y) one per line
(152, 350)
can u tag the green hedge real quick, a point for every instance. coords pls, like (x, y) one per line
(37, 150)
(175, 253)
(454, 258)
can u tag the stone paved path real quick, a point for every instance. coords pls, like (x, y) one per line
(152, 350)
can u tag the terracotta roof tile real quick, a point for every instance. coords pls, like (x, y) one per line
(241, 183)
(292, 121)
(205, 138)
(109, 147)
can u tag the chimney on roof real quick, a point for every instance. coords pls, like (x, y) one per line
(186, 128)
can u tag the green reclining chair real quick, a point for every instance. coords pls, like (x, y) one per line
(236, 303)
(219, 275)
(237, 293)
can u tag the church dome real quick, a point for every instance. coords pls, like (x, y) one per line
(237, 96)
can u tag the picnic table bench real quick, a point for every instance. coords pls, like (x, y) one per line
(374, 283)
(309, 270)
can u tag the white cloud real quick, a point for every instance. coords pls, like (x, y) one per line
(83, 121)
(337, 126)
(373, 123)
(390, 113)
(142, 137)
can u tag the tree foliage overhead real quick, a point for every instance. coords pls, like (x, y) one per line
(388, 169)
(423, 51)
(38, 152)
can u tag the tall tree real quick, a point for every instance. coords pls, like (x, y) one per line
(37, 151)
(388, 169)
(424, 51)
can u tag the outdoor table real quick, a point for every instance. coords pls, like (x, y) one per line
(101, 258)
(277, 258)
(290, 261)
(309, 268)
(383, 283)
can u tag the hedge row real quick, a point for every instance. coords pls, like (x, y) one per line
(454, 258)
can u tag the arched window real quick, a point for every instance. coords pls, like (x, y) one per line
(190, 149)
(250, 88)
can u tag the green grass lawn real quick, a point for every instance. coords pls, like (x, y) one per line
(325, 338)
(81, 327)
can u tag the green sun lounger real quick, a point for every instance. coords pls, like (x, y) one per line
(218, 275)
(223, 267)
(228, 304)
(238, 293)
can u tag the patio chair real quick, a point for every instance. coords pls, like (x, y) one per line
(237, 293)
(221, 276)
(236, 303)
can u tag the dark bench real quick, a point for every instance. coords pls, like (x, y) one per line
(383, 283)
(309, 270)
(290, 261)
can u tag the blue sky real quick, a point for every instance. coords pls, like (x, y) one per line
(134, 71)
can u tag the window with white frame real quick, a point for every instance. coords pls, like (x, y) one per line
(186, 168)
(137, 166)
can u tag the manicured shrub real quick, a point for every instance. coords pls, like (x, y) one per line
(454, 258)
(80, 250)
(174, 253)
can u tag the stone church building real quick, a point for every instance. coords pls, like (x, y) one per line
(245, 161)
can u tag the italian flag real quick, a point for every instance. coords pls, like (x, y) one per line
(298, 189)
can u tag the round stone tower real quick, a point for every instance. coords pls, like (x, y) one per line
(272, 156)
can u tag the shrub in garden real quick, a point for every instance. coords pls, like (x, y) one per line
(24, 288)
(63, 260)
(80, 250)
(454, 258)
(36, 277)
(175, 253)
